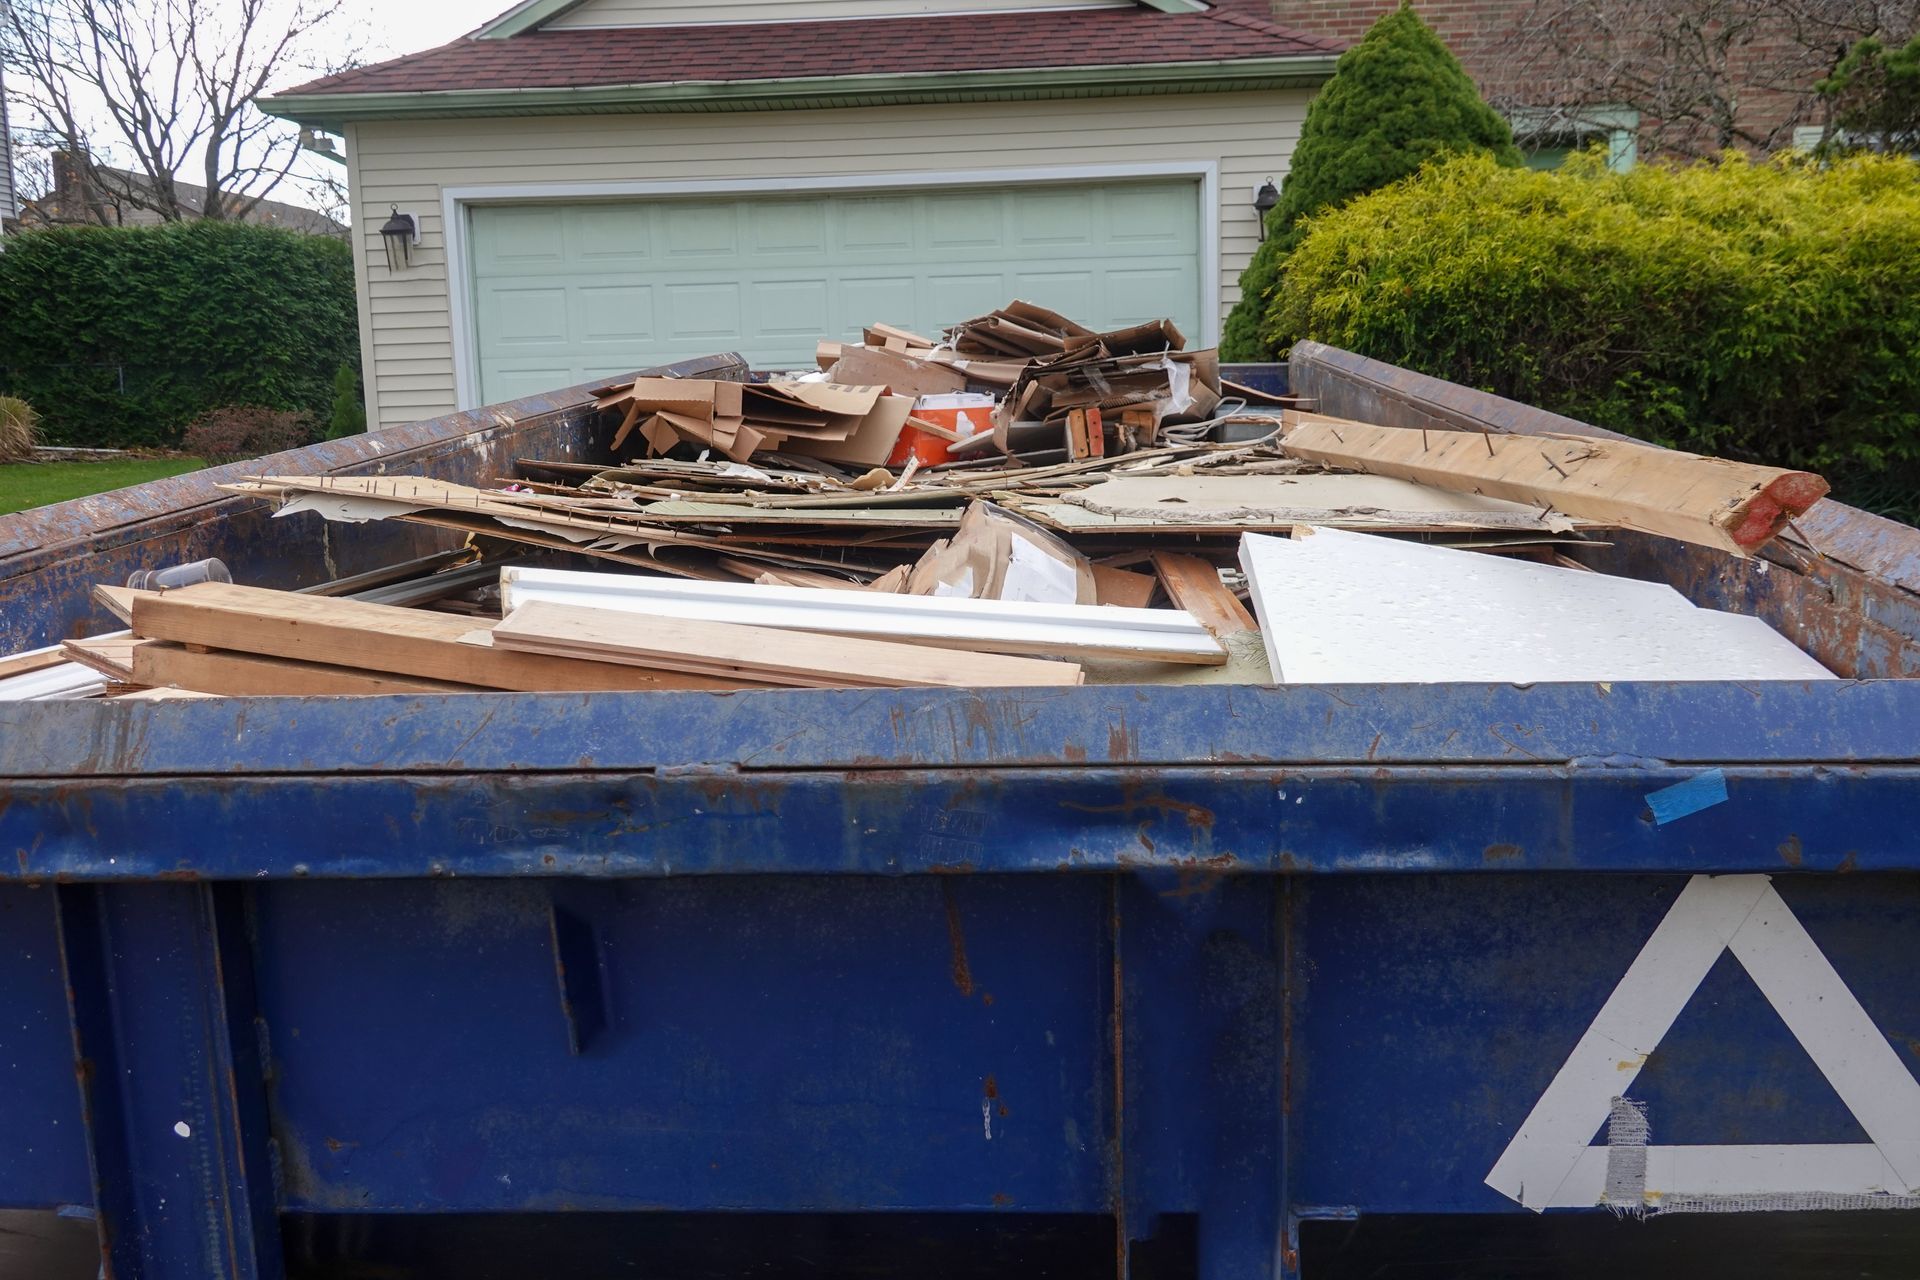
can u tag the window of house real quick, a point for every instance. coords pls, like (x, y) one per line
(1546, 136)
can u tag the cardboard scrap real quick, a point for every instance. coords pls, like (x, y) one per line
(996, 555)
(828, 419)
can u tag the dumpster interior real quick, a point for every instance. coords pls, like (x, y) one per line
(1023, 502)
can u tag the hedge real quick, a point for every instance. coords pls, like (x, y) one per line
(1767, 311)
(121, 336)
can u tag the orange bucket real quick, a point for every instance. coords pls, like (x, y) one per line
(966, 419)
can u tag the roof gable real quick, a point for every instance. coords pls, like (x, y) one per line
(561, 15)
(1041, 53)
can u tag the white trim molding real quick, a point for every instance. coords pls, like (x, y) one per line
(457, 202)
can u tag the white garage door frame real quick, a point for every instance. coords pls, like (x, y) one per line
(456, 202)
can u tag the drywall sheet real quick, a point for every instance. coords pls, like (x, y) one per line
(1339, 607)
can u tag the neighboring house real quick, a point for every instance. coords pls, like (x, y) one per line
(606, 184)
(74, 200)
(9, 202)
(1550, 88)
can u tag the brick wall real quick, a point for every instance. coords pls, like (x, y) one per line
(1767, 76)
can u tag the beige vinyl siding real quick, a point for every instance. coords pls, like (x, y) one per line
(670, 13)
(408, 337)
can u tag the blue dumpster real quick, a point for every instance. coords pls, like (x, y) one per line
(1096, 981)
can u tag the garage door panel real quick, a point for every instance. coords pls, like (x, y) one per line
(605, 288)
(783, 228)
(530, 316)
(518, 237)
(865, 300)
(513, 382)
(970, 222)
(1150, 217)
(965, 296)
(1147, 293)
(613, 235)
(1054, 219)
(701, 311)
(693, 233)
(874, 224)
(1071, 293)
(789, 309)
(615, 313)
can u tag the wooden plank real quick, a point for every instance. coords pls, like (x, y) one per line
(1121, 587)
(117, 601)
(1194, 585)
(1714, 502)
(160, 664)
(373, 637)
(19, 664)
(781, 657)
(111, 656)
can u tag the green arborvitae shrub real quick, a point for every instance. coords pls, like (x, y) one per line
(1875, 92)
(1767, 311)
(349, 411)
(1396, 100)
(122, 335)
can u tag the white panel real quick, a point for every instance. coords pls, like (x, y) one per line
(1357, 608)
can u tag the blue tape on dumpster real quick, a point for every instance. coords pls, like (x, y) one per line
(1702, 791)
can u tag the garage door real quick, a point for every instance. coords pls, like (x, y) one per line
(567, 293)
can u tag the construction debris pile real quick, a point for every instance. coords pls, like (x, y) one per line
(1025, 502)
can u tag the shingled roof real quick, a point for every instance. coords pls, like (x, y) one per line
(1228, 31)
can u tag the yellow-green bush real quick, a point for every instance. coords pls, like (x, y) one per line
(1761, 310)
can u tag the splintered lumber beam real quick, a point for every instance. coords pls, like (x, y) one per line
(764, 653)
(160, 664)
(375, 637)
(117, 601)
(111, 656)
(1194, 585)
(1714, 502)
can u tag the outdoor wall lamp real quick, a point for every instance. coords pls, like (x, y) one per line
(401, 233)
(1263, 201)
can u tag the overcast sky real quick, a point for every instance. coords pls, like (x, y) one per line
(378, 29)
(393, 27)
(373, 30)
(382, 29)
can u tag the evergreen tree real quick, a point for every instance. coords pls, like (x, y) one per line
(349, 417)
(1396, 100)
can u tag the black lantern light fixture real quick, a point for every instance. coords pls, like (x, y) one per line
(401, 233)
(1263, 201)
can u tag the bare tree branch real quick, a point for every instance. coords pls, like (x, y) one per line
(1702, 75)
(136, 93)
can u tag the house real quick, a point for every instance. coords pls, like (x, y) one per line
(602, 185)
(9, 202)
(83, 198)
(1684, 77)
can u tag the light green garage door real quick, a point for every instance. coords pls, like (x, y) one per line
(567, 293)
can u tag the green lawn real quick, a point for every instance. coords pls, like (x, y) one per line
(35, 484)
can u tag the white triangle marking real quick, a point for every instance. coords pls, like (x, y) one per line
(1549, 1163)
